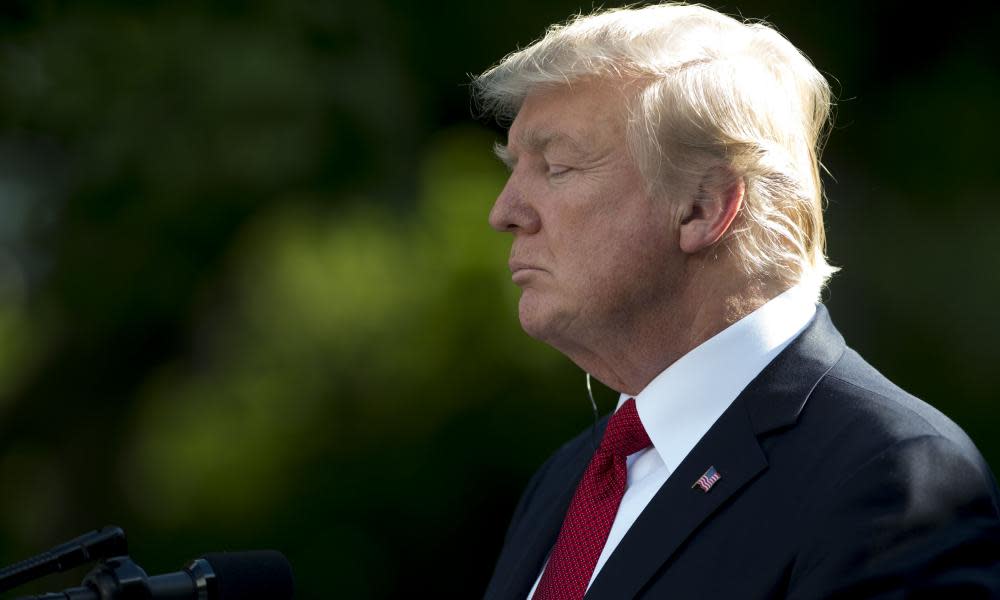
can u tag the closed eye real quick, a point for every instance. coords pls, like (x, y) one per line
(557, 170)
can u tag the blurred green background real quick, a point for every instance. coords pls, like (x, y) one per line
(249, 298)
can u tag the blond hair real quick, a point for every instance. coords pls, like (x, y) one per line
(712, 91)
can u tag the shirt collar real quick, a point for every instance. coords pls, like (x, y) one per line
(680, 404)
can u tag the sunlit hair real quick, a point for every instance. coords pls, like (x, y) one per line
(711, 94)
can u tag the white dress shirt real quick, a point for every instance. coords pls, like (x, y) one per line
(682, 403)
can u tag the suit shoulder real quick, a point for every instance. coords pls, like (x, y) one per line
(853, 388)
(857, 413)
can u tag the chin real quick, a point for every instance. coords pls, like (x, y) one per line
(538, 319)
(531, 323)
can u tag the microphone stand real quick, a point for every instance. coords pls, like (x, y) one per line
(246, 575)
(95, 545)
(120, 578)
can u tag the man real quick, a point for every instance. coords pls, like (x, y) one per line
(665, 205)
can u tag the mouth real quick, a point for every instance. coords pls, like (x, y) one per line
(520, 271)
(516, 265)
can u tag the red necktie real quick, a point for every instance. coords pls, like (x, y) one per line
(592, 511)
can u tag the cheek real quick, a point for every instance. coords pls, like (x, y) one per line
(632, 246)
(600, 229)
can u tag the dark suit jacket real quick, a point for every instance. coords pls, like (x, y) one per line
(835, 483)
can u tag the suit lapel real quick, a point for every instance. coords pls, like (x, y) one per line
(773, 400)
(679, 508)
(540, 527)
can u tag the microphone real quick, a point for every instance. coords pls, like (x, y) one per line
(253, 575)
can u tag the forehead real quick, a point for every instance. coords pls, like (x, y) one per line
(577, 116)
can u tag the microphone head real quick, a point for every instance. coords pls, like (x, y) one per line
(253, 575)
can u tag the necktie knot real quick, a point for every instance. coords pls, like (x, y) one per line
(624, 434)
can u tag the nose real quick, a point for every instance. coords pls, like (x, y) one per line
(512, 213)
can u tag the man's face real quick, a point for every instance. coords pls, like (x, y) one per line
(593, 253)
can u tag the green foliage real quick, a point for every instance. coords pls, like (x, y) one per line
(331, 319)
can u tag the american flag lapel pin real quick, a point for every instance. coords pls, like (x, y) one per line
(706, 481)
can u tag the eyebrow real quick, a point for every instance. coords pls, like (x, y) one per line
(537, 140)
(501, 152)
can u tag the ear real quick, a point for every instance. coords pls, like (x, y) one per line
(711, 211)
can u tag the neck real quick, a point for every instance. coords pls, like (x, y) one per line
(628, 355)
